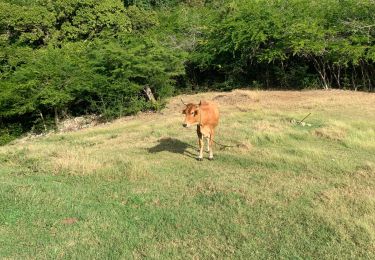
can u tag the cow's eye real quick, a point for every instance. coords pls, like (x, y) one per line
(192, 113)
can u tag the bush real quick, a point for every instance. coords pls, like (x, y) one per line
(290, 42)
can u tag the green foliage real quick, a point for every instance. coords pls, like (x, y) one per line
(47, 81)
(328, 36)
(31, 24)
(147, 4)
(76, 57)
(137, 60)
(141, 20)
(108, 71)
(82, 20)
(129, 63)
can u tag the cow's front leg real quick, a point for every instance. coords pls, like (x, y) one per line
(210, 143)
(200, 142)
(200, 157)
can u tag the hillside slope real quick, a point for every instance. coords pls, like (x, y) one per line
(133, 188)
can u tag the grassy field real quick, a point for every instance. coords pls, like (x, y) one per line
(132, 188)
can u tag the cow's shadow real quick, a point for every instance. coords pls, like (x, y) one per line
(172, 145)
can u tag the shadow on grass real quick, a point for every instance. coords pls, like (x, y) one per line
(172, 145)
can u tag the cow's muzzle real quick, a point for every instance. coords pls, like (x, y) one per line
(185, 125)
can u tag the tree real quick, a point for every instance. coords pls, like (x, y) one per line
(47, 83)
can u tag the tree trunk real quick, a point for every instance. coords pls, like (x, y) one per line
(335, 71)
(365, 76)
(321, 68)
(149, 94)
(354, 75)
(44, 123)
(56, 118)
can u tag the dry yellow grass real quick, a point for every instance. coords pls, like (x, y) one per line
(90, 150)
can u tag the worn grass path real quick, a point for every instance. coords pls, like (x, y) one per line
(132, 188)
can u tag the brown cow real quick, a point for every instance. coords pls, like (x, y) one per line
(205, 116)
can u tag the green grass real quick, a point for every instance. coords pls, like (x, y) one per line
(134, 190)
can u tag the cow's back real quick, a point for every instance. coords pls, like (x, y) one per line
(209, 114)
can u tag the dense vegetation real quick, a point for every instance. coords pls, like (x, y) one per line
(71, 57)
(294, 44)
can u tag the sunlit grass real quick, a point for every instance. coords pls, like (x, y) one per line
(133, 188)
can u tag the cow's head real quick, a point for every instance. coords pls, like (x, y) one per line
(191, 113)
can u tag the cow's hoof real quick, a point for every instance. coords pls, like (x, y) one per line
(210, 158)
(199, 159)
